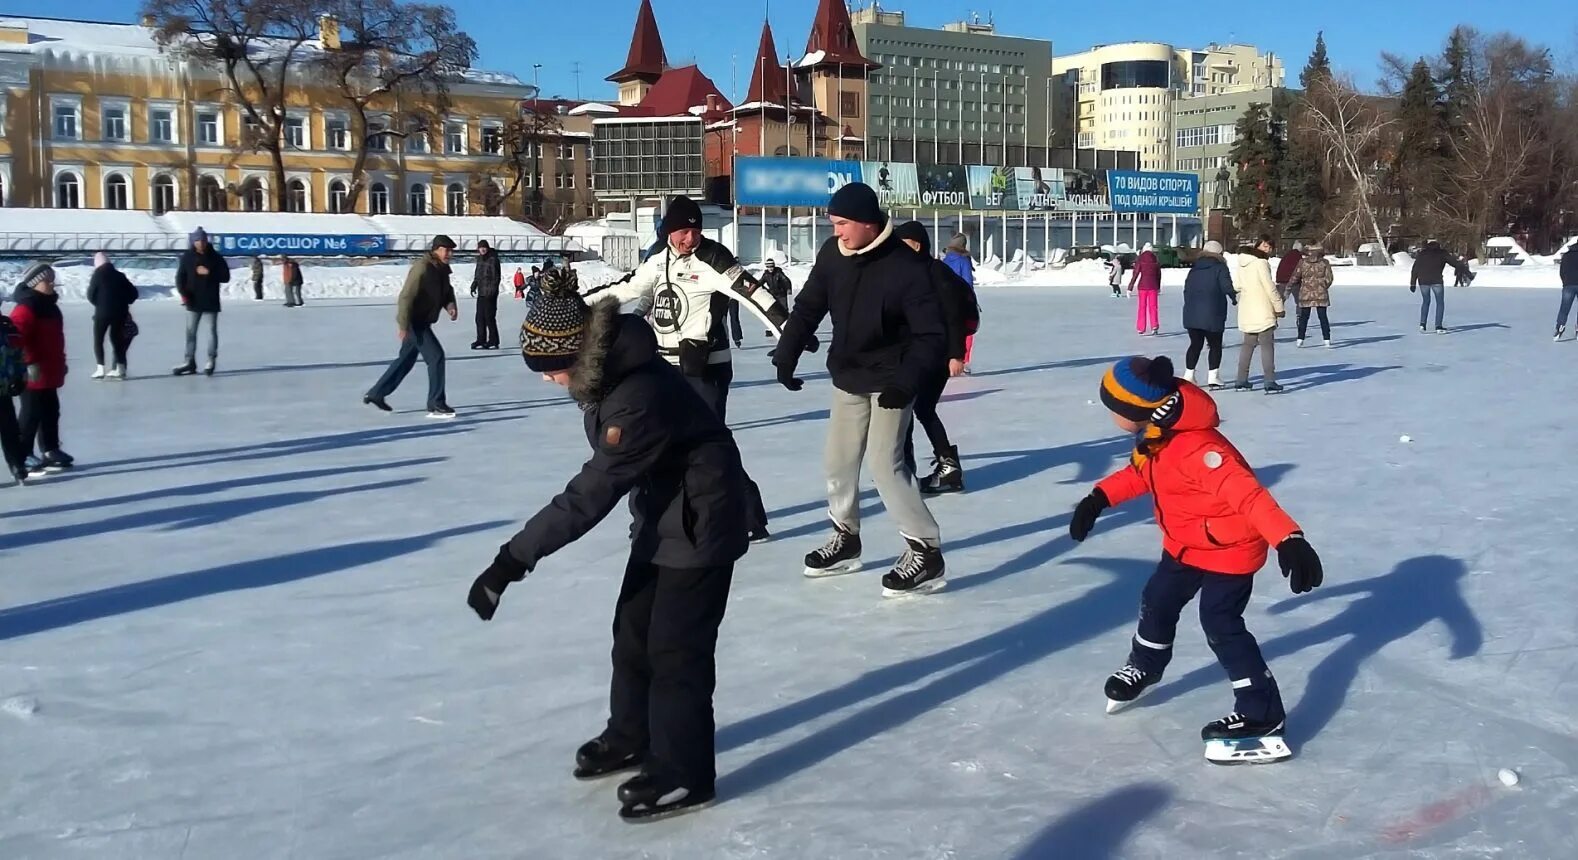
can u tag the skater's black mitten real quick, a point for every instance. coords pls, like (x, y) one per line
(1299, 563)
(1412, 288)
(894, 397)
(787, 379)
(812, 344)
(489, 586)
(1085, 514)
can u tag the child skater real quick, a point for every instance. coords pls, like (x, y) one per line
(1218, 524)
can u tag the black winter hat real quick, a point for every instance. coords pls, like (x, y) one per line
(857, 202)
(683, 214)
(552, 332)
(915, 231)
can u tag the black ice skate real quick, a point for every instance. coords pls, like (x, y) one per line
(57, 461)
(186, 369)
(919, 571)
(760, 534)
(1275, 388)
(596, 758)
(1127, 685)
(840, 555)
(651, 796)
(208, 369)
(1560, 330)
(947, 477)
(1235, 739)
(1243, 386)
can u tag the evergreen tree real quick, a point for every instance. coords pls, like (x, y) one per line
(1457, 77)
(1299, 174)
(1318, 65)
(1255, 154)
(1416, 165)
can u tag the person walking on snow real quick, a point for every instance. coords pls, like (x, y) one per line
(1148, 277)
(1218, 525)
(654, 440)
(1569, 273)
(1259, 308)
(257, 279)
(198, 277)
(485, 289)
(957, 258)
(112, 295)
(1286, 268)
(42, 330)
(1428, 278)
(1311, 284)
(957, 301)
(688, 286)
(888, 337)
(290, 273)
(426, 293)
(1207, 292)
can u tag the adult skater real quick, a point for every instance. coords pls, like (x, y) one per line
(1428, 278)
(888, 337)
(689, 285)
(485, 289)
(291, 280)
(653, 439)
(777, 285)
(13, 382)
(257, 279)
(427, 291)
(1569, 273)
(1259, 307)
(111, 293)
(957, 258)
(957, 302)
(198, 277)
(1312, 285)
(1148, 278)
(1286, 268)
(42, 330)
(1208, 290)
(1218, 524)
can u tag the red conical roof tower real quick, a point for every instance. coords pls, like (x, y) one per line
(646, 61)
(768, 85)
(834, 36)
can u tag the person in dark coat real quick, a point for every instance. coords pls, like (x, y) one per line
(426, 293)
(202, 271)
(257, 279)
(1286, 268)
(1428, 278)
(1207, 292)
(42, 331)
(290, 272)
(655, 440)
(13, 382)
(111, 293)
(888, 340)
(485, 289)
(1569, 273)
(957, 300)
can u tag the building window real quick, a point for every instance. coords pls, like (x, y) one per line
(161, 125)
(117, 194)
(416, 138)
(378, 136)
(337, 195)
(208, 128)
(569, 181)
(296, 196)
(252, 198)
(115, 125)
(417, 200)
(296, 132)
(68, 122)
(566, 152)
(455, 199)
(849, 104)
(68, 191)
(251, 129)
(163, 193)
(336, 133)
(210, 196)
(455, 138)
(493, 139)
(378, 199)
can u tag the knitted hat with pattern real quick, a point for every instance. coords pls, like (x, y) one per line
(552, 332)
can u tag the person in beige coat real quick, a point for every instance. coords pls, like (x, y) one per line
(1259, 307)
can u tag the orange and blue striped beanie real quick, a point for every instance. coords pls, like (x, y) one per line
(1135, 386)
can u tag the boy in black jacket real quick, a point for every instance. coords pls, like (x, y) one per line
(198, 278)
(653, 439)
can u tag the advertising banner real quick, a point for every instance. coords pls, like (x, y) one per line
(1157, 193)
(300, 245)
(792, 181)
(944, 186)
(992, 188)
(897, 184)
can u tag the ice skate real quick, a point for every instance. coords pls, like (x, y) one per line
(1213, 381)
(919, 571)
(946, 477)
(116, 372)
(839, 556)
(649, 797)
(441, 412)
(98, 372)
(1126, 686)
(1560, 330)
(186, 369)
(1235, 739)
(597, 758)
(1275, 388)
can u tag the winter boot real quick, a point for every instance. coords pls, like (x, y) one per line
(1213, 380)
(1126, 685)
(379, 402)
(946, 477)
(919, 571)
(98, 372)
(650, 796)
(186, 369)
(597, 757)
(840, 555)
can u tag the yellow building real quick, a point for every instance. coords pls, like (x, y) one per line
(95, 115)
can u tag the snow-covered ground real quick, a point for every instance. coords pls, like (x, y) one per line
(239, 629)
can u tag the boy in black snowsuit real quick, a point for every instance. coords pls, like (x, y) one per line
(654, 439)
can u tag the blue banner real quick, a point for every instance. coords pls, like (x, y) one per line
(300, 244)
(792, 181)
(1156, 193)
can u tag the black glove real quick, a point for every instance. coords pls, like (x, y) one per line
(787, 379)
(473, 292)
(489, 586)
(1412, 288)
(894, 397)
(1299, 563)
(812, 344)
(1085, 514)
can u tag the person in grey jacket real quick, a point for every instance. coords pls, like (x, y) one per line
(1207, 292)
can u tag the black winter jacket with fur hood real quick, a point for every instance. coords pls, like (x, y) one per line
(654, 439)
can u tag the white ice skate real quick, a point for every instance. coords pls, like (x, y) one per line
(1267, 749)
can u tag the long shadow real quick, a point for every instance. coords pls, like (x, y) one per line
(1476, 327)
(1330, 374)
(352, 365)
(176, 588)
(216, 487)
(1051, 365)
(1390, 608)
(280, 448)
(190, 516)
(1098, 829)
(823, 414)
(1351, 323)
(1365, 341)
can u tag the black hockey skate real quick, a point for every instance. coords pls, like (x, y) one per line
(596, 758)
(57, 461)
(186, 369)
(919, 571)
(947, 477)
(1127, 685)
(840, 555)
(652, 796)
(1236, 739)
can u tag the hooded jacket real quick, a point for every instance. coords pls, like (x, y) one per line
(43, 333)
(960, 312)
(654, 439)
(962, 265)
(1212, 510)
(200, 292)
(1259, 305)
(111, 293)
(888, 326)
(1207, 292)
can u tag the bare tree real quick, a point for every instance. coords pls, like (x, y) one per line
(1493, 155)
(524, 137)
(257, 47)
(391, 51)
(1350, 133)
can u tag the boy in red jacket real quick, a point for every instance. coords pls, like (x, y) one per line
(1218, 524)
(37, 319)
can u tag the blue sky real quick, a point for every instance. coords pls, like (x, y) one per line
(596, 33)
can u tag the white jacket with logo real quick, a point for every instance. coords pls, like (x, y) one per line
(687, 298)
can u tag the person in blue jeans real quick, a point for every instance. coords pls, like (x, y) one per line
(427, 291)
(1428, 278)
(1569, 273)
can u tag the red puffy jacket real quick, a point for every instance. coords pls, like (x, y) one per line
(1147, 272)
(1213, 512)
(43, 331)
